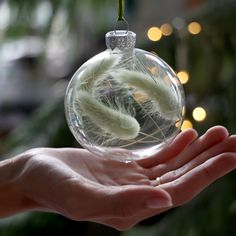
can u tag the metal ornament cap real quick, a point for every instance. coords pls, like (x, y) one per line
(120, 39)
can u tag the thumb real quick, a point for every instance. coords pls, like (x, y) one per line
(129, 201)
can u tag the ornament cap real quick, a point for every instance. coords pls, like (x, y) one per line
(120, 39)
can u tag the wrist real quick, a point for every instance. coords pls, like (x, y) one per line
(12, 197)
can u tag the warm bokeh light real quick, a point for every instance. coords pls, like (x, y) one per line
(199, 114)
(154, 34)
(154, 70)
(177, 124)
(166, 29)
(194, 28)
(187, 124)
(183, 76)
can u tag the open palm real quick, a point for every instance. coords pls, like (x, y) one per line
(81, 186)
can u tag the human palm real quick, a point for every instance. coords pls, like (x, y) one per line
(81, 186)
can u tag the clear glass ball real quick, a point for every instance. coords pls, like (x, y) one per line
(124, 103)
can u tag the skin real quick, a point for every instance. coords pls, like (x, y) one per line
(83, 187)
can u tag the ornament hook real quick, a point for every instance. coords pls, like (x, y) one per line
(121, 13)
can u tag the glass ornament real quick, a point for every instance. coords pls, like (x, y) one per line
(124, 103)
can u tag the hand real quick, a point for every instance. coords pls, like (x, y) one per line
(78, 185)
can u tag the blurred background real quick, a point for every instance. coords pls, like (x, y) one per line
(42, 43)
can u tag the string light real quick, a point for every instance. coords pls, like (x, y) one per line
(183, 76)
(154, 70)
(187, 124)
(199, 114)
(154, 34)
(166, 29)
(194, 28)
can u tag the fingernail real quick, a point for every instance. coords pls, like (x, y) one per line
(156, 203)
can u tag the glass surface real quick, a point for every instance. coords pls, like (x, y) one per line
(124, 104)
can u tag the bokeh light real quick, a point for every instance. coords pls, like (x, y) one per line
(154, 34)
(199, 114)
(187, 124)
(166, 29)
(183, 76)
(179, 23)
(194, 28)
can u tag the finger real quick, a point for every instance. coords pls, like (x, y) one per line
(212, 137)
(180, 191)
(130, 210)
(228, 145)
(131, 201)
(191, 184)
(179, 143)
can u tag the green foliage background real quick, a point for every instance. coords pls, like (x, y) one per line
(212, 66)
